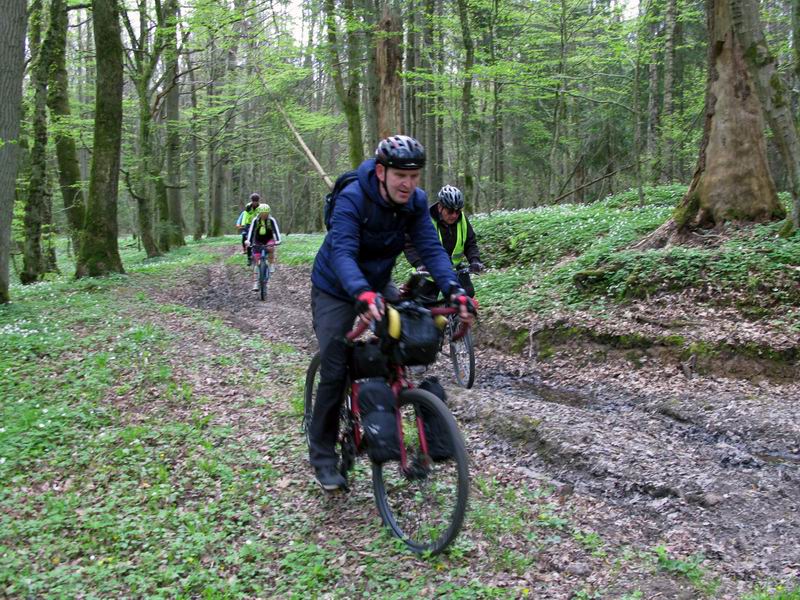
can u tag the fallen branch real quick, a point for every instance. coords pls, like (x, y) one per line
(579, 188)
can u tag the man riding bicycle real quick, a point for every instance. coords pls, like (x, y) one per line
(263, 231)
(244, 220)
(370, 221)
(455, 234)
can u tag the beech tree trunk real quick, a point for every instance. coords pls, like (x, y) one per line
(32, 258)
(467, 133)
(195, 163)
(145, 185)
(434, 159)
(796, 39)
(772, 92)
(348, 95)
(99, 251)
(12, 65)
(69, 169)
(651, 144)
(372, 13)
(172, 110)
(732, 181)
(667, 146)
(388, 64)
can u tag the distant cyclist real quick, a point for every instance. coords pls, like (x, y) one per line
(263, 232)
(455, 233)
(244, 220)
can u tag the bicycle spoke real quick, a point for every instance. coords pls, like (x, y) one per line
(424, 505)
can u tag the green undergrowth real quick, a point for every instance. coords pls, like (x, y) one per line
(134, 465)
(778, 592)
(577, 256)
(300, 248)
(115, 479)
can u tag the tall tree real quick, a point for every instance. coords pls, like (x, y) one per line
(667, 144)
(348, 93)
(388, 66)
(99, 250)
(12, 67)
(144, 58)
(773, 93)
(172, 113)
(69, 172)
(468, 131)
(428, 56)
(732, 181)
(38, 194)
(195, 164)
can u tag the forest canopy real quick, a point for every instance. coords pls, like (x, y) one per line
(520, 104)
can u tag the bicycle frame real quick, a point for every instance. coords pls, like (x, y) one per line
(262, 251)
(398, 381)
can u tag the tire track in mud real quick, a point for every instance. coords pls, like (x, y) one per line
(713, 484)
(718, 474)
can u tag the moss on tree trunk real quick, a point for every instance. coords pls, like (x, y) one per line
(99, 251)
(732, 181)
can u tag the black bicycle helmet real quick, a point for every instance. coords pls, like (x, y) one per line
(451, 197)
(400, 152)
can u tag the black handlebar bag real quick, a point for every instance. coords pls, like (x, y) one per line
(410, 335)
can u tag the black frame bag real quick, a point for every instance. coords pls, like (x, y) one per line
(368, 360)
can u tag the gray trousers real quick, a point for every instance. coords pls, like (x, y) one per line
(332, 319)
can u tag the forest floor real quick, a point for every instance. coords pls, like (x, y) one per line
(152, 447)
(650, 481)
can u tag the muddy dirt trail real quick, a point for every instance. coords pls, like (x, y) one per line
(644, 457)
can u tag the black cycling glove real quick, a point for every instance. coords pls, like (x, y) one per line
(476, 266)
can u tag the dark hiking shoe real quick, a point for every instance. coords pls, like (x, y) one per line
(329, 478)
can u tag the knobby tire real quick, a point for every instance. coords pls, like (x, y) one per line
(425, 510)
(263, 279)
(462, 355)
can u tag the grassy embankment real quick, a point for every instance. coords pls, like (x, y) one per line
(568, 259)
(576, 257)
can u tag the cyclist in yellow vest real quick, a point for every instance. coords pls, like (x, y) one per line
(243, 222)
(455, 234)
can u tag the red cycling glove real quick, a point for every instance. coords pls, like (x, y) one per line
(367, 299)
(458, 297)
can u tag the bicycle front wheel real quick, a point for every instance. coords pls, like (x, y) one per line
(263, 278)
(462, 355)
(425, 505)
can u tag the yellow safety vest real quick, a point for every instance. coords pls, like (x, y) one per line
(461, 238)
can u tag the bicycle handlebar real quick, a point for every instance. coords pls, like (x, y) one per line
(362, 325)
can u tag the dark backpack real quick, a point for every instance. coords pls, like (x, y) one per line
(342, 182)
(440, 446)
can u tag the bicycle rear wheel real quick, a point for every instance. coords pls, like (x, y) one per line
(345, 445)
(425, 506)
(462, 355)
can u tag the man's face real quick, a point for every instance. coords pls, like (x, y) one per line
(254, 203)
(449, 216)
(401, 183)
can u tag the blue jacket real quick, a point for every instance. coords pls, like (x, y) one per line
(367, 235)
